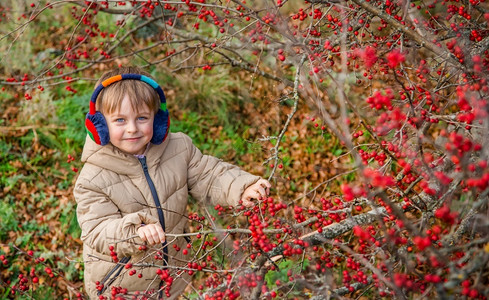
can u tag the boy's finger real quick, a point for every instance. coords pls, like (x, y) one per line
(247, 203)
(149, 239)
(260, 192)
(266, 185)
(257, 194)
(161, 234)
(157, 234)
(150, 234)
(141, 234)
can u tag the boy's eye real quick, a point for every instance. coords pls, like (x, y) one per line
(119, 120)
(142, 118)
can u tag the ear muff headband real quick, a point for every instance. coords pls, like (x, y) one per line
(117, 78)
(97, 126)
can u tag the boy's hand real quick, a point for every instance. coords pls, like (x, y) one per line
(258, 190)
(151, 233)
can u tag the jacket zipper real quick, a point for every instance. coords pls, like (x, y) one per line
(161, 216)
(112, 275)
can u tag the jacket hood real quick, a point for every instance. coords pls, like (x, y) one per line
(112, 158)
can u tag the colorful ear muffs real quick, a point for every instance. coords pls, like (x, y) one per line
(97, 126)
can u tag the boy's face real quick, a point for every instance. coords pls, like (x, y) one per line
(130, 130)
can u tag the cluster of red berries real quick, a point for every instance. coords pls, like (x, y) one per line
(167, 279)
(444, 214)
(113, 254)
(226, 294)
(69, 160)
(117, 290)
(381, 100)
(259, 239)
(377, 179)
(388, 121)
(22, 285)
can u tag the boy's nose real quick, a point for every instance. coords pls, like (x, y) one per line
(131, 126)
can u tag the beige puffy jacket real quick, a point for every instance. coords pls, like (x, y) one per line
(114, 198)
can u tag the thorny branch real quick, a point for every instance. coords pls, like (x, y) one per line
(295, 96)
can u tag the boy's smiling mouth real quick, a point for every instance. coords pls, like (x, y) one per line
(132, 139)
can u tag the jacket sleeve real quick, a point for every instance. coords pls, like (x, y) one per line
(102, 223)
(212, 180)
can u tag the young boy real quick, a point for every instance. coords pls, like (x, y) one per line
(134, 186)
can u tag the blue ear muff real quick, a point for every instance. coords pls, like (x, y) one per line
(161, 124)
(97, 126)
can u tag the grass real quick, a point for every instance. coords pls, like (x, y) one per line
(210, 137)
(8, 217)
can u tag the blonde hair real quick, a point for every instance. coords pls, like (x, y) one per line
(140, 93)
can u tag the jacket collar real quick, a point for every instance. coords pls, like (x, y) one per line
(111, 158)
